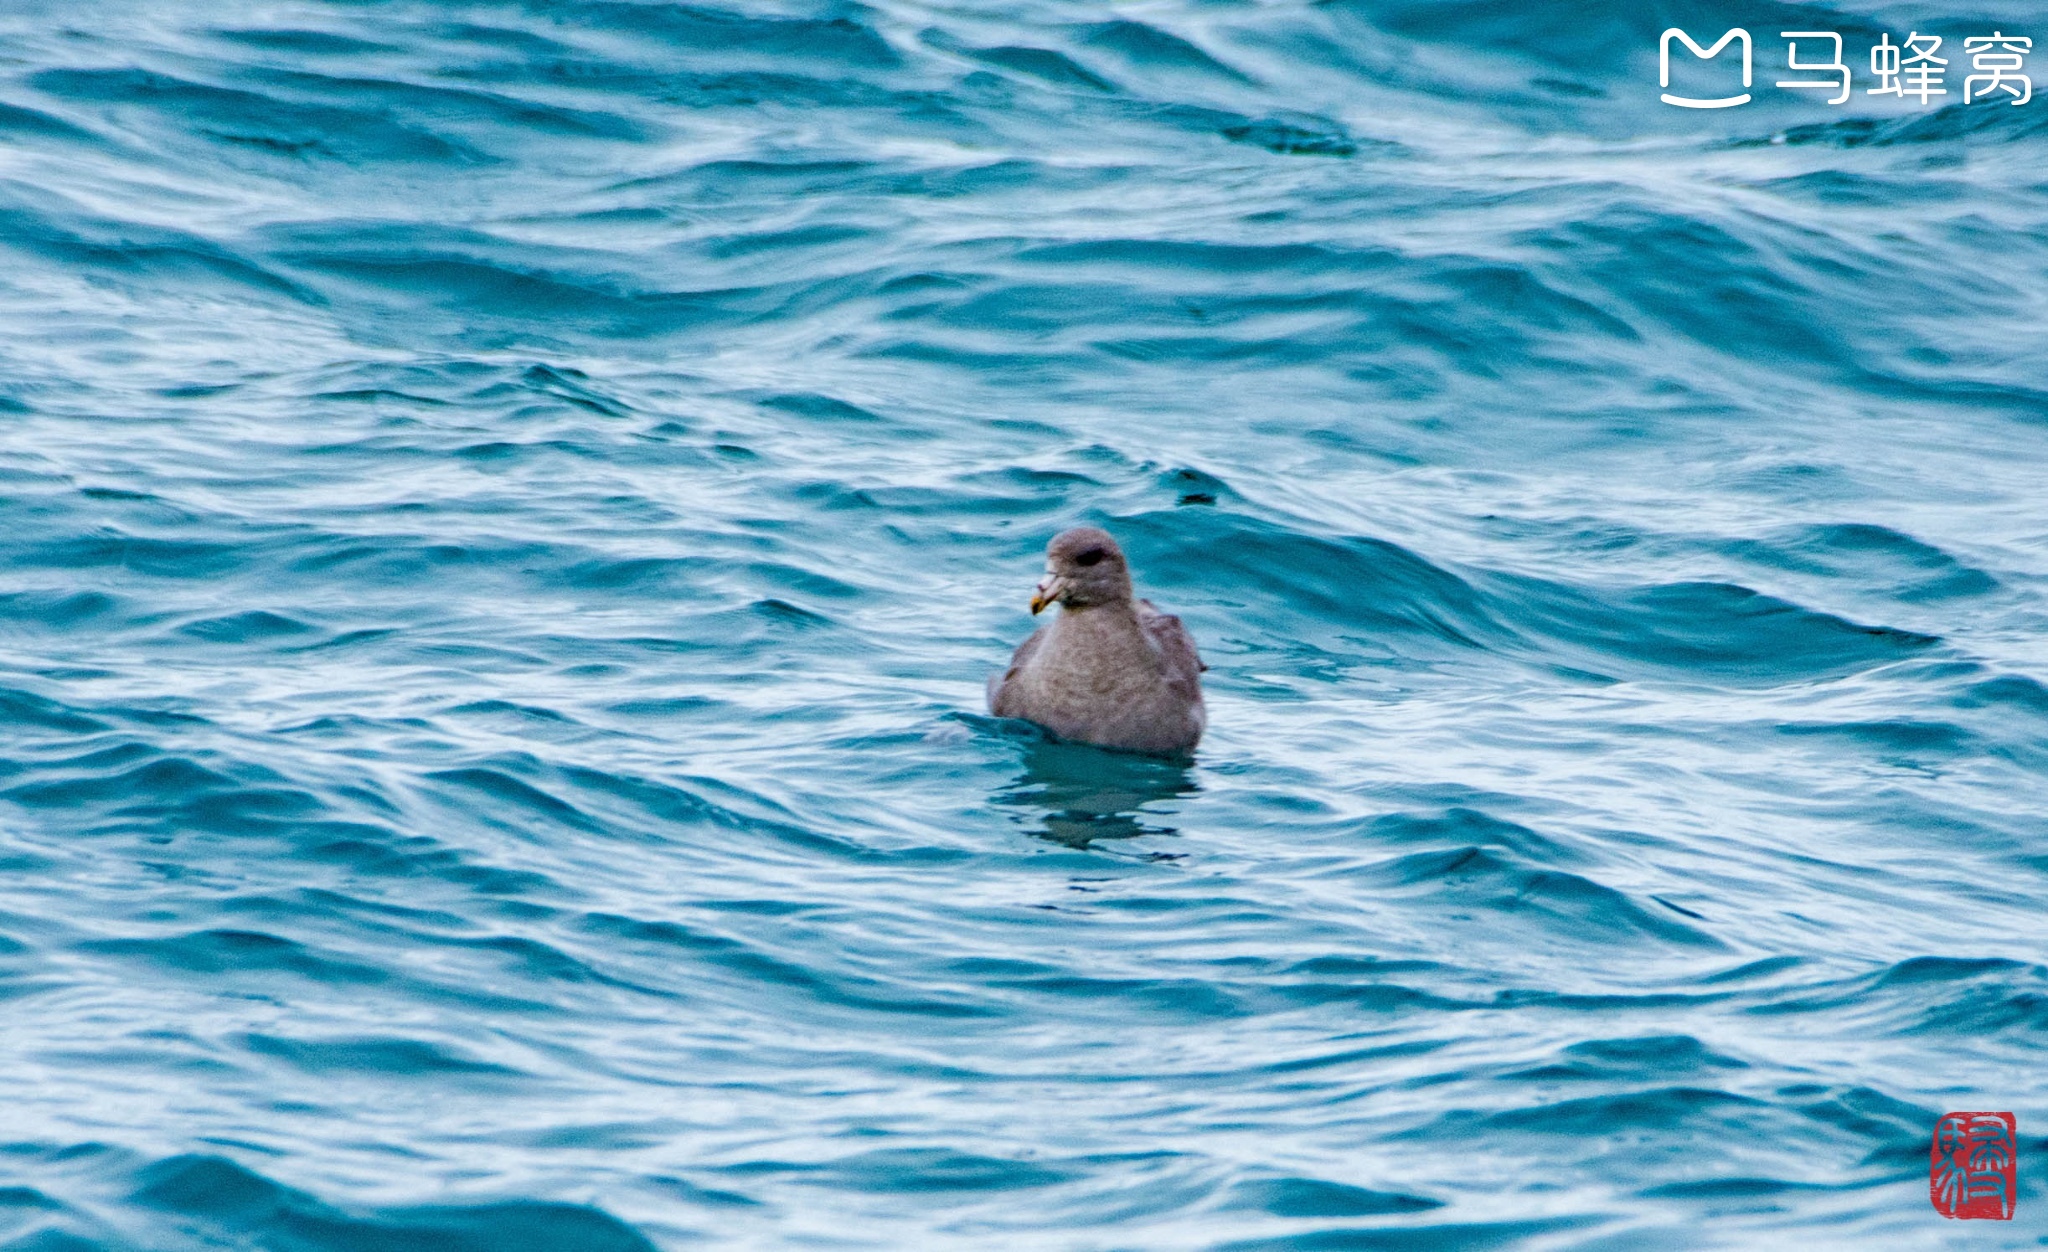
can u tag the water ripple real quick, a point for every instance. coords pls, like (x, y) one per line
(509, 511)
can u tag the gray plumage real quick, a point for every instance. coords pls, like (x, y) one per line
(1110, 670)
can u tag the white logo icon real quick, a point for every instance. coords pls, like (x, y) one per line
(1664, 67)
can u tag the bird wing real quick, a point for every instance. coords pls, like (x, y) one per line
(1176, 648)
(998, 683)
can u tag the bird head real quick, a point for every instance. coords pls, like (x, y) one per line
(1083, 567)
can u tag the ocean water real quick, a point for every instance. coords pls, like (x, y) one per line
(506, 510)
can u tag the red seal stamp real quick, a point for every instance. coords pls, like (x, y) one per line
(1974, 1167)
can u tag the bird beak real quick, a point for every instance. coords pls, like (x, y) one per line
(1048, 592)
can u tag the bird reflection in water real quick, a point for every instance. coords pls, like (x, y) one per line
(1083, 794)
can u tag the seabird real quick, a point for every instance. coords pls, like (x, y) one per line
(1109, 670)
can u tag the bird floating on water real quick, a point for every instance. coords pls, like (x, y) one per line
(1109, 670)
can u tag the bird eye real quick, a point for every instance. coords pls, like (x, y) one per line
(1092, 556)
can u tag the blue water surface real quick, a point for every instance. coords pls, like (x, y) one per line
(506, 509)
